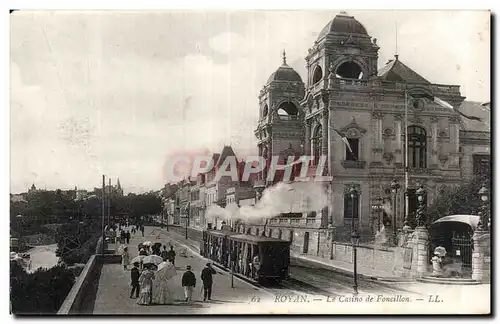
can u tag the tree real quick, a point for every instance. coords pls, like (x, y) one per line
(463, 199)
(41, 292)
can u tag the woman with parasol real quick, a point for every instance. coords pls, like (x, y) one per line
(437, 261)
(162, 294)
(146, 284)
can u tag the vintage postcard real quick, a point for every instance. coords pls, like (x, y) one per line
(250, 162)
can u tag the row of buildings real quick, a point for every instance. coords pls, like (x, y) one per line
(76, 194)
(345, 92)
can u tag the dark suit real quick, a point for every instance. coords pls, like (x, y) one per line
(134, 275)
(206, 277)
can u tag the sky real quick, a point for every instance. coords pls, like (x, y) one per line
(116, 93)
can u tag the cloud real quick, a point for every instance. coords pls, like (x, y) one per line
(107, 91)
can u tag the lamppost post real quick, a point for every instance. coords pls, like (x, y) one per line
(394, 189)
(484, 222)
(355, 242)
(421, 213)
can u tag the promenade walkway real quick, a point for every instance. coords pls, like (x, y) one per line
(114, 287)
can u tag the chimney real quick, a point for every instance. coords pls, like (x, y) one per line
(209, 226)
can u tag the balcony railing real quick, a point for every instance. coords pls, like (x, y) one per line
(351, 82)
(293, 222)
(288, 117)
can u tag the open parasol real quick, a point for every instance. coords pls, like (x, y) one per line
(154, 259)
(440, 251)
(138, 258)
(120, 249)
(166, 272)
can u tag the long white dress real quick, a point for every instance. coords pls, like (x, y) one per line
(161, 291)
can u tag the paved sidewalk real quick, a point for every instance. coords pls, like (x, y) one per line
(347, 269)
(114, 286)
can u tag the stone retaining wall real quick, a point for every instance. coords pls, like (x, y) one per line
(82, 295)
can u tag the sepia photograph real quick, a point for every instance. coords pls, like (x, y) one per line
(250, 162)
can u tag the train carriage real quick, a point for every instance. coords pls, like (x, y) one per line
(214, 246)
(255, 257)
(260, 258)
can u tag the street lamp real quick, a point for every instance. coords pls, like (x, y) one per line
(377, 209)
(421, 215)
(355, 243)
(394, 189)
(483, 220)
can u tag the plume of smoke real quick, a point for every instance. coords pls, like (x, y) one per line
(297, 197)
(216, 212)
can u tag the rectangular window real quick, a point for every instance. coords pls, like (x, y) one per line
(354, 156)
(351, 206)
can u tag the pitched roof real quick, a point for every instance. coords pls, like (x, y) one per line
(474, 108)
(395, 70)
(226, 151)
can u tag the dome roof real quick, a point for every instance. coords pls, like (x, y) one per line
(343, 24)
(285, 73)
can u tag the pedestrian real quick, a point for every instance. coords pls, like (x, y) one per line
(142, 230)
(164, 253)
(188, 282)
(146, 284)
(134, 276)
(171, 255)
(206, 277)
(256, 265)
(127, 237)
(125, 258)
(162, 294)
(122, 237)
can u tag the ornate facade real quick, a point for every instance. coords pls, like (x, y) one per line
(345, 92)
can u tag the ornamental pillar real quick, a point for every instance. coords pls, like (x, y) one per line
(398, 151)
(434, 143)
(454, 123)
(307, 143)
(420, 242)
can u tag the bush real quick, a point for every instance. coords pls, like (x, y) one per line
(41, 292)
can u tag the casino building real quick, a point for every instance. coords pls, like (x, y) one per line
(344, 90)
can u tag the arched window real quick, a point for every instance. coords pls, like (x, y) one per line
(317, 75)
(265, 111)
(417, 147)
(287, 109)
(317, 143)
(349, 70)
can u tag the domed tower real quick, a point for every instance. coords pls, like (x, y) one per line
(280, 131)
(343, 50)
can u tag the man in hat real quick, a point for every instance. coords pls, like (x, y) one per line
(188, 282)
(134, 276)
(206, 277)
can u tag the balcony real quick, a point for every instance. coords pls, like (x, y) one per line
(350, 82)
(288, 117)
